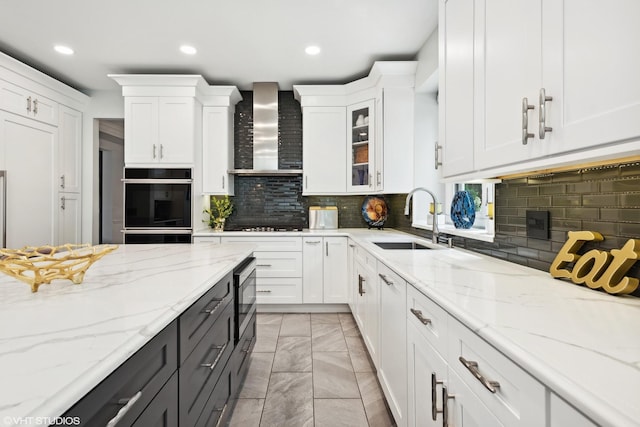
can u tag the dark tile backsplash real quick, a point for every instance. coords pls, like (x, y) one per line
(603, 199)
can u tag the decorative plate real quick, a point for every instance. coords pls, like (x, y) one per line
(463, 211)
(374, 211)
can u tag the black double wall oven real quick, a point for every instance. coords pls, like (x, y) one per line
(157, 205)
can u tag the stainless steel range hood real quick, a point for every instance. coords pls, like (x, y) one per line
(265, 133)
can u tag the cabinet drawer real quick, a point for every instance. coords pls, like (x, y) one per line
(518, 400)
(18, 100)
(134, 383)
(364, 257)
(421, 310)
(278, 264)
(217, 410)
(241, 356)
(279, 290)
(163, 410)
(200, 372)
(197, 319)
(293, 243)
(206, 239)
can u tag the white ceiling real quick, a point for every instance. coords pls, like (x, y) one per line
(238, 41)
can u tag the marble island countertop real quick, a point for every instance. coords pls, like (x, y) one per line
(58, 343)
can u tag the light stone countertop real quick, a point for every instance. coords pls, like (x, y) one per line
(582, 344)
(58, 343)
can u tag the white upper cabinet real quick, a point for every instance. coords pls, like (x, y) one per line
(28, 103)
(323, 142)
(217, 150)
(376, 144)
(70, 150)
(361, 147)
(548, 88)
(456, 86)
(159, 130)
(591, 72)
(508, 73)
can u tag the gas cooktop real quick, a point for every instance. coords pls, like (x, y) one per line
(268, 229)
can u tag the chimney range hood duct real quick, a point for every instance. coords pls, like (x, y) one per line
(265, 133)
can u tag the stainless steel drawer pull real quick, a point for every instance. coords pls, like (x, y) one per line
(222, 411)
(213, 364)
(445, 406)
(28, 104)
(128, 403)
(154, 151)
(62, 181)
(385, 279)
(312, 242)
(420, 317)
(213, 310)
(35, 106)
(437, 155)
(472, 366)
(265, 291)
(263, 265)
(161, 151)
(525, 121)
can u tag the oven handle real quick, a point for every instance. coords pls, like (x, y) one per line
(246, 271)
(156, 181)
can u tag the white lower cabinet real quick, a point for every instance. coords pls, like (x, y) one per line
(367, 302)
(392, 371)
(278, 269)
(324, 270)
(69, 218)
(562, 414)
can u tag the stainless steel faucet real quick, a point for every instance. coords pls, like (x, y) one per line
(434, 232)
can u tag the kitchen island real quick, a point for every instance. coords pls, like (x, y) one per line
(58, 343)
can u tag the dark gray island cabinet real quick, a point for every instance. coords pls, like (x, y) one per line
(189, 374)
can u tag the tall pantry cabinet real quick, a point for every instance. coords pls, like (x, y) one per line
(40, 152)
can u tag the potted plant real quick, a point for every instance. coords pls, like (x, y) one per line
(221, 208)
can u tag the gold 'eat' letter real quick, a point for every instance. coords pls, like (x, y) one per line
(613, 280)
(568, 252)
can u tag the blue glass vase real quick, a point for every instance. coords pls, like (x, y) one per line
(463, 210)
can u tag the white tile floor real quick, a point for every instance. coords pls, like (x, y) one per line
(310, 370)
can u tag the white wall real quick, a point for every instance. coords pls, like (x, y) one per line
(426, 130)
(103, 105)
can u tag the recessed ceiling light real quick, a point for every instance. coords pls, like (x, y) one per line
(65, 50)
(312, 50)
(188, 50)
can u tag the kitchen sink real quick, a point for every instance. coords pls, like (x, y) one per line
(401, 245)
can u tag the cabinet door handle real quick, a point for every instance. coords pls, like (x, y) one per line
(223, 182)
(161, 151)
(326, 248)
(62, 181)
(472, 366)
(361, 280)
(542, 114)
(213, 364)
(222, 411)
(370, 180)
(434, 396)
(214, 309)
(312, 242)
(421, 318)
(63, 203)
(128, 404)
(306, 182)
(263, 265)
(437, 155)
(385, 279)
(525, 120)
(28, 104)
(379, 178)
(35, 106)
(154, 151)
(264, 291)
(445, 406)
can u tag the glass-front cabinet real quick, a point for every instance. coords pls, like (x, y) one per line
(360, 146)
